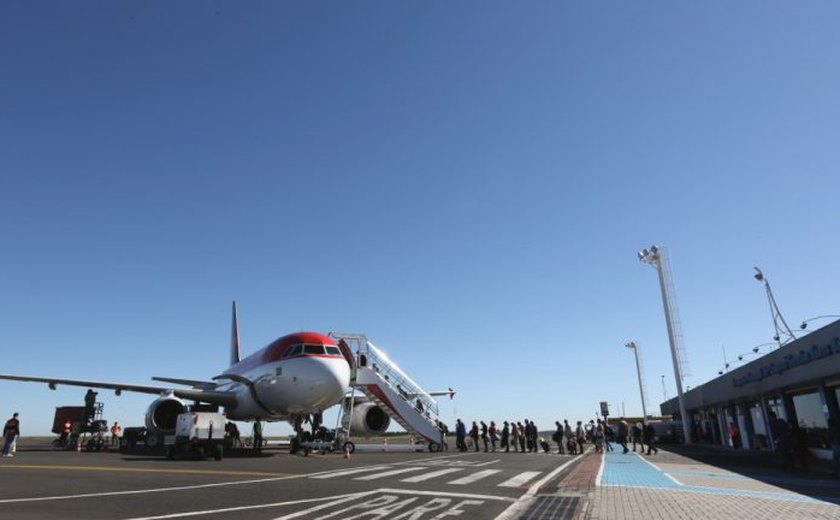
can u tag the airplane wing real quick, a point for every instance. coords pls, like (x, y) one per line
(200, 385)
(207, 396)
(450, 392)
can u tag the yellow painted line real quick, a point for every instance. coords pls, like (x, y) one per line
(147, 470)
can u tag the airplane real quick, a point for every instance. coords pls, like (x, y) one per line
(295, 376)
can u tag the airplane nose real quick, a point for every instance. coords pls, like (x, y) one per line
(327, 381)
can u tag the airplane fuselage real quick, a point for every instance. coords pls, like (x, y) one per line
(297, 374)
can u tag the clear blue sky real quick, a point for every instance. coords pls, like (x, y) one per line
(467, 183)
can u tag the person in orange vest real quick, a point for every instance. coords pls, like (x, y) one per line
(735, 436)
(115, 434)
(65, 430)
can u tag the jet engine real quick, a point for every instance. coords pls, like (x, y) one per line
(161, 417)
(368, 419)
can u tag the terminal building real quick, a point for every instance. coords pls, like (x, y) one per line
(799, 382)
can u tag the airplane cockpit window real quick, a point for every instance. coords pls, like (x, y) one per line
(313, 349)
(333, 350)
(293, 351)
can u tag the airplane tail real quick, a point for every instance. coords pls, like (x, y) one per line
(234, 338)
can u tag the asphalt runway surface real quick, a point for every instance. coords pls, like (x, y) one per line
(43, 484)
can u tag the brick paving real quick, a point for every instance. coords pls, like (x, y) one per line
(673, 486)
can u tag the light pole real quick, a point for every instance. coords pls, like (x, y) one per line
(804, 324)
(664, 392)
(632, 346)
(755, 351)
(653, 257)
(779, 323)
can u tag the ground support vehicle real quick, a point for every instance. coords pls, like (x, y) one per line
(201, 434)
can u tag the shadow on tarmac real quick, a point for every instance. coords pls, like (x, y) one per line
(817, 482)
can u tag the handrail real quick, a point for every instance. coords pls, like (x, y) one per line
(369, 355)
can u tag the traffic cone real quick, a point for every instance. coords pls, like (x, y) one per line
(347, 452)
(79, 445)
(385, 444)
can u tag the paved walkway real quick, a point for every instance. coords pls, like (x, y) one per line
(668, 486)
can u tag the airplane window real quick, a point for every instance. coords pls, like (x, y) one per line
(294, 351)
(313, 349)
(333, 350)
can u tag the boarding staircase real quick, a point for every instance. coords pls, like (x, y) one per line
(384, 383)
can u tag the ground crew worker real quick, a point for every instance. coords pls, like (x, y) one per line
(115, 434)
(90, 402)
(66, 428)
(10, 432)
(257, 435)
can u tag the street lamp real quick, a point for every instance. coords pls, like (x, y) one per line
(779, 324)
(754, 351)
(653, 257)
(632, 346)
(804, 324)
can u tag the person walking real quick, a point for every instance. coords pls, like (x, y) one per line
(580, 432)
(514, 434)
(10, 432)
(460, 436)
(636, 435)
(558, 437)
(799, 438)
(734, 435)
(444, 431)
(780, 430)
(568, 433)
(494, 436)
(474, 435)
(484, 437)
(649, 437)
(598, 438)
(834, 441)
(535, 437)
(505, 442)
(622, 434)
(521, 437)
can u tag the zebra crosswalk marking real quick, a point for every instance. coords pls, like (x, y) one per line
(469, 479)
(520, 479)
(387, 473)
(345, 472)
(430, 475)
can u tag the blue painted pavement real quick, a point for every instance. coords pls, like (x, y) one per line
(631, 470)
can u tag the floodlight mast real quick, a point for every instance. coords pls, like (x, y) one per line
(632, 346)
(653, 257)
(783, 334)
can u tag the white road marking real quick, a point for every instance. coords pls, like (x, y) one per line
(145, 491)
(383, 500)
(657, 468)
(387, 473)
(341, 473)
(469, 479)
(519, 505)
(336, 500)
(430, 475)
(520, 479)
(601, 468)
(446, 494)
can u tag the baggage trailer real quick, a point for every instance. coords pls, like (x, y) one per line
(197, 433)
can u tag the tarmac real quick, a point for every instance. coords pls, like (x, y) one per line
(39, 483)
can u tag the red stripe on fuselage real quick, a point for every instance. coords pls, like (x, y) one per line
(275, 350)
